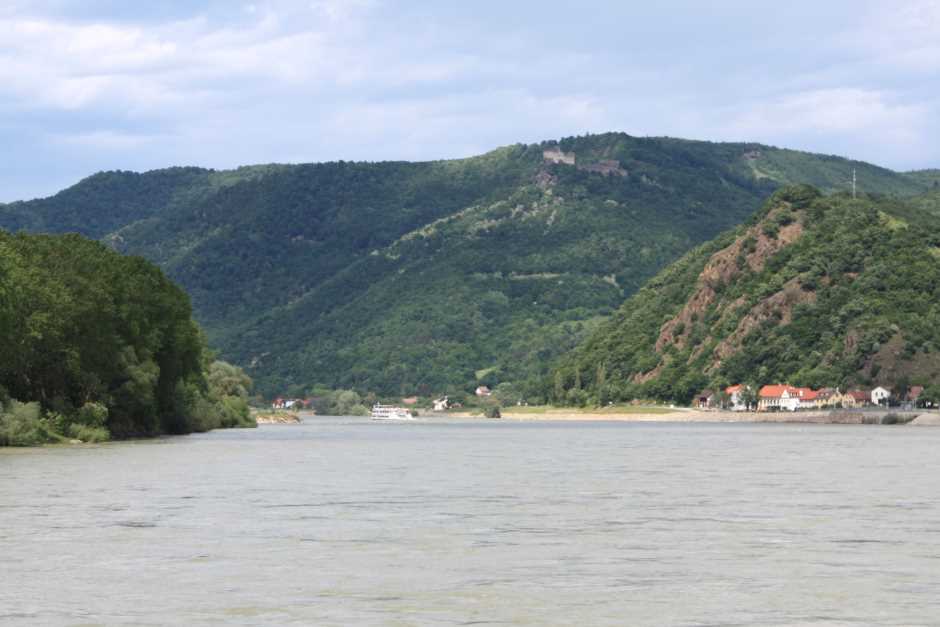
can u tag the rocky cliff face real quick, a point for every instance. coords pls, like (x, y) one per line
(817, 291)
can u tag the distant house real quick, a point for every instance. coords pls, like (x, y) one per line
(483, 391)
(411, 400)
(827, 397)
(736, 396)
(284, 403)
(880, 396)
(856, 398)
(808, 398)
(913, 394)
(705, 399)
(778, 398)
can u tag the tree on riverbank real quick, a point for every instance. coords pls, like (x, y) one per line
(97, 344)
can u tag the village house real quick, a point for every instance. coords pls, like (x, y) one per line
(777, 398)
(736, 397)
(856, 398)
(880, 396)
(285, 403)
(808, 398)
(441, 404)
(785, 398)
(913, 394)
(482, 390)
(826, 397)
(705, 399)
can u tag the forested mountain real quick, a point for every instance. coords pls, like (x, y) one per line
(815, 291)
(421, 277)
(95, 344)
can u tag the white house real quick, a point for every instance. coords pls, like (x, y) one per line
(736, 395)
(778, 397)
(441, 404)
(880, 396)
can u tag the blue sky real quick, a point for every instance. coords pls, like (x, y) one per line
(93, 85)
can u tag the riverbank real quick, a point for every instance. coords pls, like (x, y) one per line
(276, 418)
(675, 414)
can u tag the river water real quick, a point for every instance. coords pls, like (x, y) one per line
(350, 522)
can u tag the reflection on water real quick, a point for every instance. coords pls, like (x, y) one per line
(349, 522)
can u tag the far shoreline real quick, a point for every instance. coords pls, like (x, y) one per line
(679, 415)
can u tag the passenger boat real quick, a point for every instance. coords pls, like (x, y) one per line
(390, 412)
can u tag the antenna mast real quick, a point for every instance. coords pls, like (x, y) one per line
(853, 183)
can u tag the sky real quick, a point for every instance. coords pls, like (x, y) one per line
(107, 84)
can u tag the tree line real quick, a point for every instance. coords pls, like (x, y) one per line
(95, 345)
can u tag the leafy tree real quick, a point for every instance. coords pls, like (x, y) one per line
(102, 345)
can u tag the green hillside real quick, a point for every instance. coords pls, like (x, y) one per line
(422, 277)
(815, 291)
(928, 178)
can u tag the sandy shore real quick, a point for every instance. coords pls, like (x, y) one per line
(277, 418)
(691, 415)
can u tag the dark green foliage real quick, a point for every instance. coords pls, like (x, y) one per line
(21, 424)
(492, 411)
(341, 403)
(99, 344)
(897, 419)
(854, 301)
(409, 278)
(929, 178)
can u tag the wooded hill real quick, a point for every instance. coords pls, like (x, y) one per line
(814, 291)
(431, 277)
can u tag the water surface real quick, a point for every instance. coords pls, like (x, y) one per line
(350, 522)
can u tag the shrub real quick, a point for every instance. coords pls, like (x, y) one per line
(770, 230)
(896, 419)
(92, 415)
(88, 434)
(21, 424)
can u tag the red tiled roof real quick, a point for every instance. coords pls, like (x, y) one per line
(807, 394)
(915, 392)
(776, 391)
(731, 389)
(860, 395)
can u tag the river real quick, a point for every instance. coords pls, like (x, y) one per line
(350, 522)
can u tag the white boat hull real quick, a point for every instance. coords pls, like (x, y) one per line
(389, 412)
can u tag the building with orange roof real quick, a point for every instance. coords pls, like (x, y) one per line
(808, 398)
(775, 398)
(736, 396)
(856, 398)
(781, 398)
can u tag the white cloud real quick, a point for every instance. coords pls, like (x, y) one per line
(275, 80)
(105, 140)
(837, 110)
(902, 35)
